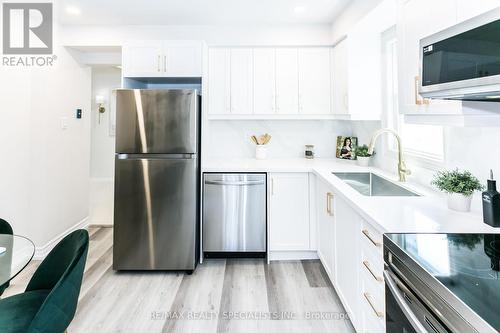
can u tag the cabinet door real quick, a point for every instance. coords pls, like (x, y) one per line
(467, 9)
(340, 78)
(326, 236)
(289, 212)
(219, 79)
(264, 81)
(142, 59)
(287, 81)
(348, 256)
(182, 59)
(241, 81)
(412, 26)
(314, 80)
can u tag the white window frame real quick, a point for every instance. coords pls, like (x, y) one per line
(391, 115)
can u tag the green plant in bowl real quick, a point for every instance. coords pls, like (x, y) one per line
(362, 151)
(362, 155)
(459, 186)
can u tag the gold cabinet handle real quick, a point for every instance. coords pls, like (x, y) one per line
(418, 99)
(374, 242)
(367, 265)
(368, 298)
(329, 197)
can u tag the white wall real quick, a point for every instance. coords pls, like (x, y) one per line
(44, 171)
(350, 16)
(231, 139)
(104, 79)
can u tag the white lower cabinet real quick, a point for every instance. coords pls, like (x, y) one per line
(289, 228)
(347, 257)
(326, 227)
(372, 287)
(350, 250)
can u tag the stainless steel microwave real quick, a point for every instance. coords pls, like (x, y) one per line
(463, 61)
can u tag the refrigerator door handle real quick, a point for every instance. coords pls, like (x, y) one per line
(156, 156)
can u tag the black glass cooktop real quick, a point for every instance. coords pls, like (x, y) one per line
(466, 264)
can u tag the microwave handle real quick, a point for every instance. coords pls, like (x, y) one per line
(412, 318)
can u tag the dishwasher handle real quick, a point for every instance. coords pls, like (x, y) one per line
(235, 183)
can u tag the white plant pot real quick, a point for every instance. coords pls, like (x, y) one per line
(459, 202)
(260, 152)
(363, 161)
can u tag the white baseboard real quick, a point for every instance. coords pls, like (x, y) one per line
(292, 255)
(100, 225)
(42, 251)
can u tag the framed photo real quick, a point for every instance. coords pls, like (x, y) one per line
(346, 147)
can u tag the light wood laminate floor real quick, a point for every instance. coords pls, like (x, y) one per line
(233, 295)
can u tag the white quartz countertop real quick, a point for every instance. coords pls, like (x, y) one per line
(427, 213)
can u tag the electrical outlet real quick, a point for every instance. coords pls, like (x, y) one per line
(78, 113)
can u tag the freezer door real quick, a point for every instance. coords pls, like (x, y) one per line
(156, 214)
(156, 121)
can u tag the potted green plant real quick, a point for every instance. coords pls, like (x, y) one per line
(459, 186)
(363, 157)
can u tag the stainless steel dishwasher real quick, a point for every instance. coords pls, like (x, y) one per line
(234, 214)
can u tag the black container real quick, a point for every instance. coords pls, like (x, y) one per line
(491, 204)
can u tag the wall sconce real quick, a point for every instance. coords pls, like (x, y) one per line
(99, 99)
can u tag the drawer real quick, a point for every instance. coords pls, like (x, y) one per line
(373, 312)
(371, 237)
(371, 322)
(372, 269)
(376, 288)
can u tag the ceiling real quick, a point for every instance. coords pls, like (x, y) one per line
(197, 12)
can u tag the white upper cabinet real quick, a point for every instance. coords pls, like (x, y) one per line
(413, 25)
(219, 89)
(182, 58)
(264, 81)
(241, 81)
(287, 81)
(467, 9)
(162, 59)
(314, 80)
(142, 59)
(340, 78)
(289, 228)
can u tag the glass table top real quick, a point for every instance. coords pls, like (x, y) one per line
(15, 254)
(466, 264)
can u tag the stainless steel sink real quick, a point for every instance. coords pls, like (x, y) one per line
(370, 184)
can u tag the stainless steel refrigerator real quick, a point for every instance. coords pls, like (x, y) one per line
(156, 212)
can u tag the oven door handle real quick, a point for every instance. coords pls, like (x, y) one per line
(393, 288)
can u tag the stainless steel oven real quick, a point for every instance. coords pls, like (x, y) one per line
(416, 301)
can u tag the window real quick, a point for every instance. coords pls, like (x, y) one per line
(424, 142)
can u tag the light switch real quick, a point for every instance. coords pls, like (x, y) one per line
(64, 123)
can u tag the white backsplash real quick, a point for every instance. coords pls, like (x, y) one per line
(231, 138)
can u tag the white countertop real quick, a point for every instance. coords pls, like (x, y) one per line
(427, 213)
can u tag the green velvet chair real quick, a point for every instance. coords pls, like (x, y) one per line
(5, 229)
(49, 303)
